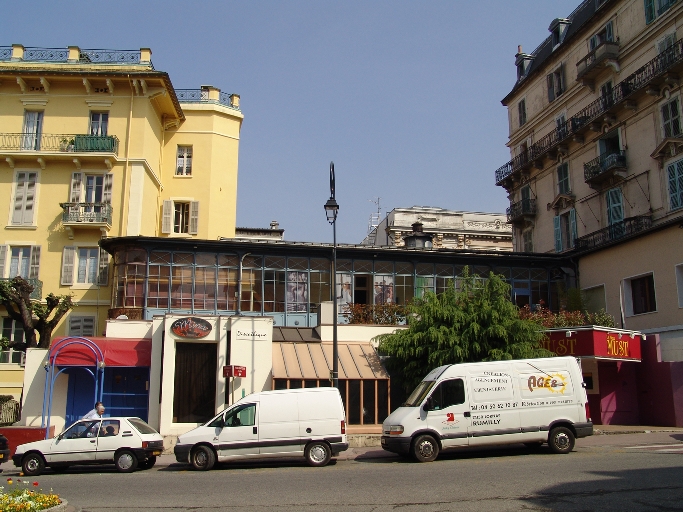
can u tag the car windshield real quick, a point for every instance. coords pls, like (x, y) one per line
(141, 426)
(419, 394)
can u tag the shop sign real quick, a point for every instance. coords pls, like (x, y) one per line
(234, 371)
(595, 343)
(191, 327)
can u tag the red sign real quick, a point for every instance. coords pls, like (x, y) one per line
(596, 343)
(191, 327)
(234, 371)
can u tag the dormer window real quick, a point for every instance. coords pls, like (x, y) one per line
(523, 62)
(558, 30)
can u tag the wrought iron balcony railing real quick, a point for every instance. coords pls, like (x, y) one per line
(636, 81)
(85, 213)
(93, 56)
(607, 50)
(520, 209)
(602, 165)
(59, 142)
(37, 284)
(202, 96)
(618, 230)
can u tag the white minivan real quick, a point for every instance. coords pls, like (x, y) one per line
(529, 401)
(307, 422)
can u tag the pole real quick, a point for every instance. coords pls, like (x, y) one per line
(335, 347)
(232, 379)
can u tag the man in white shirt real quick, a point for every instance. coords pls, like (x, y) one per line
(96, 413)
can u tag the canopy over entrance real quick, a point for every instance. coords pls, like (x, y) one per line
(115, 351)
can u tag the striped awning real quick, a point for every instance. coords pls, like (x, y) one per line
(293, 360)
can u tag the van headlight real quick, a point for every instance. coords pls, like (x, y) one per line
(394, 430)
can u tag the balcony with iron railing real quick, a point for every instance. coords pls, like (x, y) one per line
(641, 80)
(601, 56)
(618, 230)
(605, 167)
(86, 215)
(208, 95)
(58, 143)
(37, 293)
(76, 55)
(520, 211)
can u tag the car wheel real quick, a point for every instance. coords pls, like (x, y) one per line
(148, 464)
(126, 461)
(425, 448)
(33, 464)
(318, 454)
(202, 458)
(561, 440)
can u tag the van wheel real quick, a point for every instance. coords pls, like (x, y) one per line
(33, 464)
(561, 440)
(425, 448)
(318, 454)
(126, 461)
(203, 458)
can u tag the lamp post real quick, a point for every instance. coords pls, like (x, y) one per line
(331, 210)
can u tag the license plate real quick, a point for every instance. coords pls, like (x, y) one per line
(158, 452)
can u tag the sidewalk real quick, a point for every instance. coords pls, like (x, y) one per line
(631, 429)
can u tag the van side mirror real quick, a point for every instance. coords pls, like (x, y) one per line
(428, 405)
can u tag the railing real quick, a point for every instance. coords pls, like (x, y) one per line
(636, 81)
(521, 208)
(614, 232)
(603, 164)
(37, 284)
(202, 96)
(605, 50)
(84, 213)
(94, 56)
(77, 143)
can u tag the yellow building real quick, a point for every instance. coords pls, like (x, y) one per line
(98, 143)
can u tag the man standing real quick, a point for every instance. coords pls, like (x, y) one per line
(96, 413)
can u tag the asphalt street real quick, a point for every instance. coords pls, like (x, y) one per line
(617, 472)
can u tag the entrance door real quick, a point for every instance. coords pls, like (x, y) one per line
(239, 436)
(126, 391)
(80, 394)
(194, 392)
(449, 412)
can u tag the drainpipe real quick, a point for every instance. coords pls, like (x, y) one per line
(239, 284)
(126, 178)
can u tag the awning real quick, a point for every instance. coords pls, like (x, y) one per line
(117, 352)
(293, 360)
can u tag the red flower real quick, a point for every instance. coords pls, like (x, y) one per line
(35, 484)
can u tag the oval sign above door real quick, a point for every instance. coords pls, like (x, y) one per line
(191, 327)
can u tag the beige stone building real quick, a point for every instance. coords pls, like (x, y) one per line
(449, 229)
(597, 164)
(99, 143)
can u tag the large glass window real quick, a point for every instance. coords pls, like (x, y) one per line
(274, 291)
(181, 280)
(227, 282)
(252, 284)
(447, 394)
(129, 275)
(205, 282)
(159, 279)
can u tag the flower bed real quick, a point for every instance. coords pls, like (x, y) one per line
(23, 498)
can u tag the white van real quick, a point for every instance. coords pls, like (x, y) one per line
(284, 423)
(528, 401)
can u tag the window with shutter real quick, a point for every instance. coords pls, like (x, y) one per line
(194, 217)
(103, 278)
(557, 228)
(573, 232)
(181, 217)
(108, 185)
(24, 198)
(3, 258)
(68, 257)
(521, 107)
(81, 326)
(34, 270)
(33, 127)
(563, 179)
(675, 178)
(551, 87)
(650, 12)
(671, 119)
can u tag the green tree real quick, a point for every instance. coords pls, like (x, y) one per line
(34, 316)
(476, 322)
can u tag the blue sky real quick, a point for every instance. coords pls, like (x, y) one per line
(403, 96)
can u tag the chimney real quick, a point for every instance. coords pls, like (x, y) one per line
(274, 224)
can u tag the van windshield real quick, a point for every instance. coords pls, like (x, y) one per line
(419, 394)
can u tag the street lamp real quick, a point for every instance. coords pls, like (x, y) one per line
(331, 210)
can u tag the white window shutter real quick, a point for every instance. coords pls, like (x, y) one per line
(194, 217)
(68, 257)
(34, 269)
(76, 326)
(558, 233)
(167, 217)
(17, 214)
(29, 198)
(108, 185)
(103, 276)
(3, 257)
(88, 326)
(76, 180)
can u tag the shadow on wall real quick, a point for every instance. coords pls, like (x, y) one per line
(638, 489)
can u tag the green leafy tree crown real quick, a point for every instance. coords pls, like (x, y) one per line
(475, 322)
